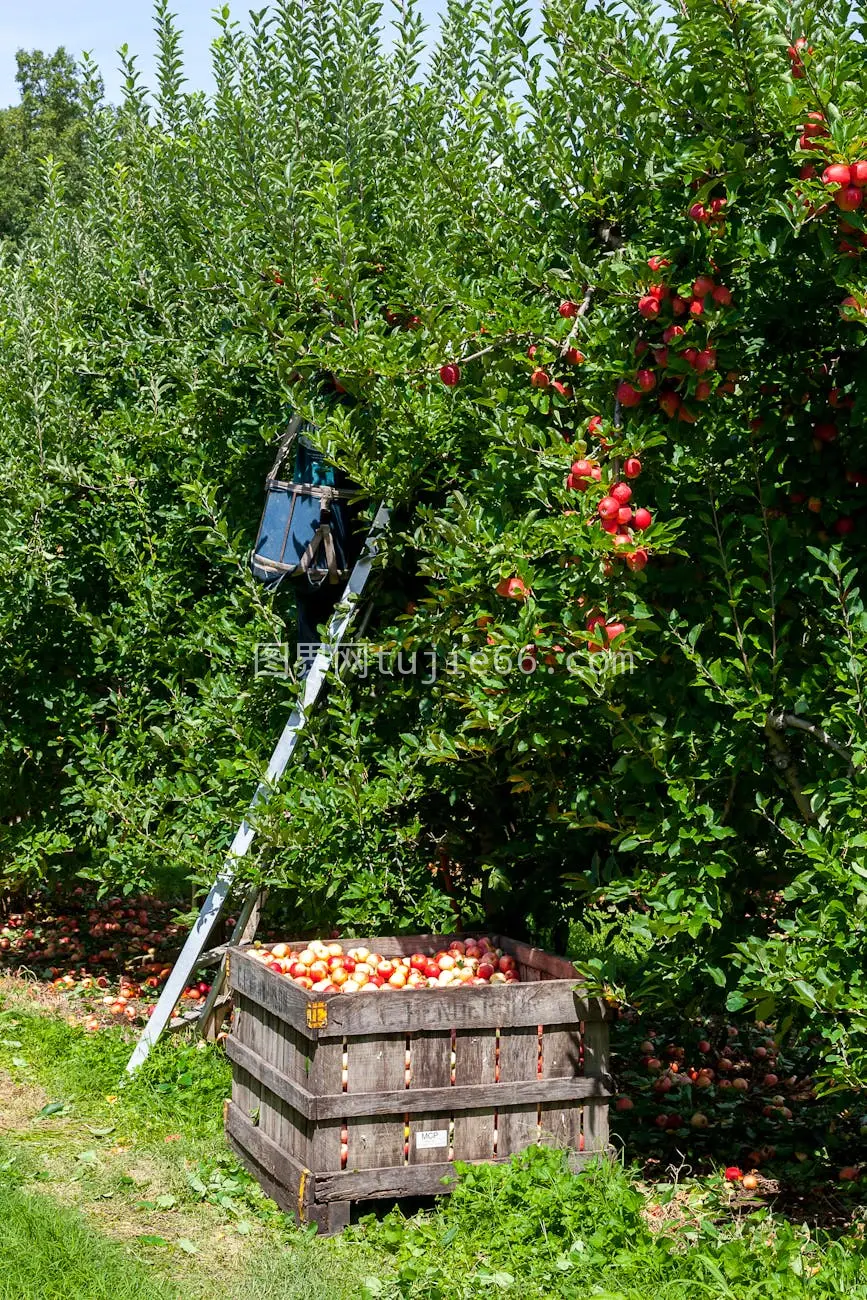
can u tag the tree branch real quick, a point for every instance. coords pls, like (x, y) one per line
(779, 721)
(582, 311)
(784, 764)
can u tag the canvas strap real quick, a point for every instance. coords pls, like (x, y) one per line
(323, 491)
(283, 450)
(324, 540)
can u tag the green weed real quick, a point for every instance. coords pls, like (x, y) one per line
(535, 1230)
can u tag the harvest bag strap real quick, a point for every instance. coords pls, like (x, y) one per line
(324, 491)
(283, 450)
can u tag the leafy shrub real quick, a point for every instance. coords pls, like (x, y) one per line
(534, 1229)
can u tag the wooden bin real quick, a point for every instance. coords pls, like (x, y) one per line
(491, 1070)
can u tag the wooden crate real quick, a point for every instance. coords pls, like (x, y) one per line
(491, 1070)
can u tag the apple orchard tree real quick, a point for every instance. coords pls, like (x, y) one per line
(588, 307)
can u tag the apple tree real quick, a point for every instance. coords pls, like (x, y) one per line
(584, 301)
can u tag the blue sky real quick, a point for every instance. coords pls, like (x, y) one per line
(102, 27)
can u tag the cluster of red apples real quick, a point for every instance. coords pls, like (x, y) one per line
(846, 182)
(669, 364)
(322, 967)
(796, 52)
(615, 513)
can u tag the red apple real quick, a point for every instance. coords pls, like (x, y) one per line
(849, 198)
(837, 174)
(642, 518)
(450, 375)
(513, 588)
(627, 395)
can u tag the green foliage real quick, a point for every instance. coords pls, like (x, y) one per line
(533, 1229)
(337, 213)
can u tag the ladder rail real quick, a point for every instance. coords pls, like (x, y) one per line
(215, 902)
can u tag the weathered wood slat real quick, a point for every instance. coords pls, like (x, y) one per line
(595, 1114)
(469, 1007)
(244, 1084)
(553, 967)
(517, 1125)
(375, 1063)
(324, 1078)
(561, 1060)
(475, 1068)
(460, 1097)
(407, 1180)
(430, 1065)
(297, 1126)
(249, 1016)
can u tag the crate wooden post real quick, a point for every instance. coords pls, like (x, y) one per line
(418, 1079)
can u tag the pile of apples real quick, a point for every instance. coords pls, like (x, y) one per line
(326, 967)
(110, 956)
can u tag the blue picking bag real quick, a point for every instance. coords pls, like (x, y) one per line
(306, 528)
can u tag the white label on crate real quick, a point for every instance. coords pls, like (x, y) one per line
(431, 1137)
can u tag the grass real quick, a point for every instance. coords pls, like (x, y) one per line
(129, 1191)
(141, 1168)
(536, 1231)
(49, 1253)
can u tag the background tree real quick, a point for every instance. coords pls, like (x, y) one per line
(49, 121)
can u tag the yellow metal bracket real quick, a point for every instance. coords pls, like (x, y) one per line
(317, 1015)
